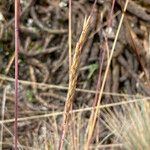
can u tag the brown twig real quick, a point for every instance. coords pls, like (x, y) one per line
(136, 10)
(31, 2)
(43, 27)
(122, 61)
(9, 66)
(35, 92)
(134, 44)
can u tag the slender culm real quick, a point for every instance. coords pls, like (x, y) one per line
(17, 3)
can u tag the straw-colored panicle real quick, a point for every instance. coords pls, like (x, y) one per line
(73, 78)
(74, 67)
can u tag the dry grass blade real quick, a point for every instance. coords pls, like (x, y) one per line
(93, 117)
(61, 87)
(8, 66)
(73, 78)
(110, 146)
(130, 125)
(3, 112)
(101, 61)
(74, 111)
(21, 147)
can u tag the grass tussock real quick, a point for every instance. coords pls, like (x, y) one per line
(130, 125)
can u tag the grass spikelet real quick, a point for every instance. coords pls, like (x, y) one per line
(73, 78)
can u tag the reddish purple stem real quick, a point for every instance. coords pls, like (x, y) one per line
(111, 13)
(17, 7)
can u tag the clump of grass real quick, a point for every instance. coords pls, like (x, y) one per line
(130, 125)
